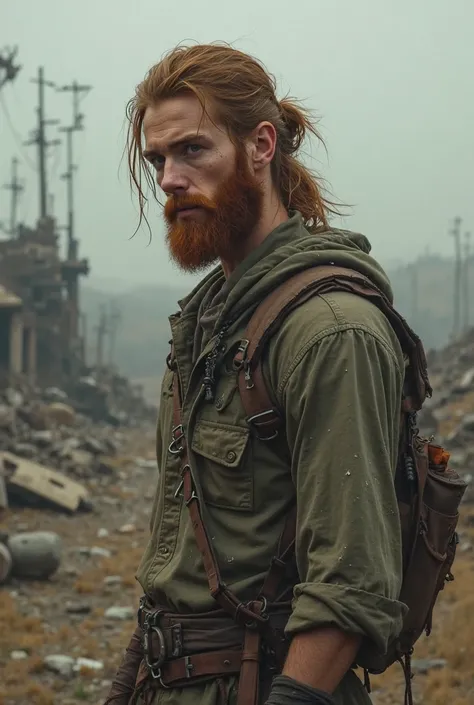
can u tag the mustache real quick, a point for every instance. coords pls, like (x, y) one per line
(176, 203)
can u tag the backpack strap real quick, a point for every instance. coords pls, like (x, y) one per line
(263, 416)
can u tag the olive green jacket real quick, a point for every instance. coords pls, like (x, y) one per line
(336, 369)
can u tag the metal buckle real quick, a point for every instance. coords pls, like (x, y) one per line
(251, 421)
(177, 435)
(154, 666)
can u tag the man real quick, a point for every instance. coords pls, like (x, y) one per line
(223, 150)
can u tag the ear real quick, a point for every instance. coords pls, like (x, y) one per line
(262, 145)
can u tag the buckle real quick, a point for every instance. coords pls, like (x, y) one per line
(177, 434)
(154, 666)
(267, 416)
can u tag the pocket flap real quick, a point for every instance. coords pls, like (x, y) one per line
(219, 442)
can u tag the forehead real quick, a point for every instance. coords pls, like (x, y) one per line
(175, 119)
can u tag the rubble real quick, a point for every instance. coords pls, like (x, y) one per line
(120, 613)
(35, 555)
(5, 563)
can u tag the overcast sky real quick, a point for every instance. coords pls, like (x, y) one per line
(392, 81)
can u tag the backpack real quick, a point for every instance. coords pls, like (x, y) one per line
(429, 493)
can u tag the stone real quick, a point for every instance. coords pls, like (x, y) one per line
(18, 655)
(111, 580)
(55, 394)
(127, 529)
(100, 552)
(87, 663)
(42, 438)
(102, 533)
(78, 608)
(25, 450)
(81, 458)
(145, 464)
(5, 563)
(35, 555)
(7, 417)
(14, 398)
(423, 665)
(467, 423)
(120, 613)
(58, 663)
(61, 413)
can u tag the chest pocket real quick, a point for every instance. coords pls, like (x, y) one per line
(224, 464)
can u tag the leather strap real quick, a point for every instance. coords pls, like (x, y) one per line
(263, 415)
(179, 671)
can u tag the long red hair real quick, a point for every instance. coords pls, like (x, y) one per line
(240, 93)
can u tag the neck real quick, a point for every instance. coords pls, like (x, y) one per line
(273, 214)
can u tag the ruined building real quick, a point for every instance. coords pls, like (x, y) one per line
(39, 307)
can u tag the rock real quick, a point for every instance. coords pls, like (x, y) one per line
(24, 450)
(106, 468)
(55, 394)
(14, 398)
(423, 665)
(5, 563)
(63, 665)
(42, 438)
(7, 417)
(467, 423)
(87, 663)
(78, 608)
(18, 655)
(127, 529)
(465, 547)
(92, 445)
(100, 552)
(146, 464)
(102, 534)
(35, 555)
(81, 458)
(112, 580)
(120, 613)
(61, 414)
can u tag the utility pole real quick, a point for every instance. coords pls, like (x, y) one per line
(456, 234)
(16, 188)
(102, 330)
(115, 318)
(466, 282)
(77, 125)
(40, 140)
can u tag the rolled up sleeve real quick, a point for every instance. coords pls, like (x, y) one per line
(342, 400)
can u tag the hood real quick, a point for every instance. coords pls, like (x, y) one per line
(289, 249)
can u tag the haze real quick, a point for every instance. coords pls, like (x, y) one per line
(391, 82)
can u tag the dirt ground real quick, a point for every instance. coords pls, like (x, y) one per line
(66, 615)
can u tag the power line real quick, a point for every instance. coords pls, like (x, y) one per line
(15, 134)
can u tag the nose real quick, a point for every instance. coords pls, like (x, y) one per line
(172, 178)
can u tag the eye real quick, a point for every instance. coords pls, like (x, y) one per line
(192, 149)
(157, 161)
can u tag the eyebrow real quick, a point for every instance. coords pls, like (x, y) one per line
(191, 137)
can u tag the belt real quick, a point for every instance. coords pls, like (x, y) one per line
(180, 649)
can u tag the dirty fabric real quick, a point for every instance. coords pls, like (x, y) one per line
(336, 368)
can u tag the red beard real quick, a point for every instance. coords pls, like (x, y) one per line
(229, 220)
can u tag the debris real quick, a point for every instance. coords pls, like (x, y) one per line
(58, 663)
(18, 655)
(120, 613)
(78, 608)
(5, 563)
(111, 580)
(146, 464)
(127, 529)
(62, 414)
(102, 533)
(35, 555)
(33, 484)
(87, 663)
(423, 665)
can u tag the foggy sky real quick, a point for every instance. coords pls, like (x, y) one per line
(392, 82)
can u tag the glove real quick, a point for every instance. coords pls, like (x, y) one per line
(123, 685)
(287, 691)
